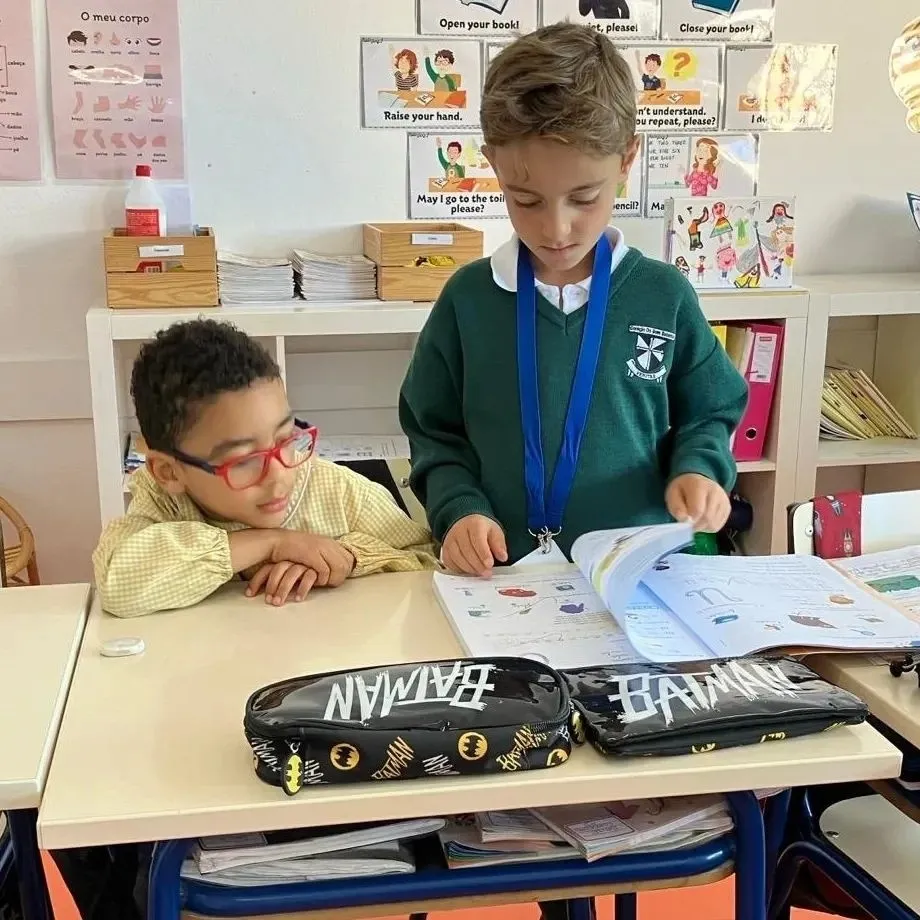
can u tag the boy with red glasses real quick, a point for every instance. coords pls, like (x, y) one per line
(231, 486)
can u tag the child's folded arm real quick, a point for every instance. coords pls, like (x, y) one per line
(381, 537)
(707, 397)
(445, 469)
(142, 566)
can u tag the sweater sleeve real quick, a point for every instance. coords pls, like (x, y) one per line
(707, 397)
(146, 562)
(445, 469)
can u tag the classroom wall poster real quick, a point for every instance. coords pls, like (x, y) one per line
(677, 86)
(630, 194)
(733, 242)
(450, 178)
(416, 83)
(116, 88)
(493, 50)
(20, 147)
(698, 166)
(738, 21)
(904, 71)
(630, 19)
(783, 88)
(476, 17)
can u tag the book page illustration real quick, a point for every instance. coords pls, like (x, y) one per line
(736, 21)
(476, 17)
(416, 83)
(698, 166)
(677, 87)
(449, 177)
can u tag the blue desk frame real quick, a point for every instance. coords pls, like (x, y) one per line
(754, 847)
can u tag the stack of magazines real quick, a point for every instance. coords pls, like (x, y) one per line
(307, 855)
(320, 277)
(854, 409)
(244, 280)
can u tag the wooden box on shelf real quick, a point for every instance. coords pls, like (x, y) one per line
(143, 272)
(411, 257)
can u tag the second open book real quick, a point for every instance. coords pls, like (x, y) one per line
(632, 597)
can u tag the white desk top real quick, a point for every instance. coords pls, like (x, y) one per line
(152, 747)
(892, 700)
(40, 633)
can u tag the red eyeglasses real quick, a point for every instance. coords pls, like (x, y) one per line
(250, 469)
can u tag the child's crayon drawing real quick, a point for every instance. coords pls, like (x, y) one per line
(698, 166)
(677, 87)
(733, 242)
(409, 83)
(450, 177)
(736, 21)
(629, 19)
(783, 88)
(904, 71)
(476, 17)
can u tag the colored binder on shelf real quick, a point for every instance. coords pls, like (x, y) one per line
(755, 349)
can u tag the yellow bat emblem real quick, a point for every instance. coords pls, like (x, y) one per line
(472, 746)
(578, 727)
(556, 757)
(292, 774)
(344, 756)
(702, 748)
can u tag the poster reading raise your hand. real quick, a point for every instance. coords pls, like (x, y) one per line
(419, 83)
(116, 89)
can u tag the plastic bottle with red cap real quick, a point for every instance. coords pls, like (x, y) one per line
(145, 212)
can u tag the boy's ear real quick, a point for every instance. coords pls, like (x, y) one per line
(629, 156)
(165, 471)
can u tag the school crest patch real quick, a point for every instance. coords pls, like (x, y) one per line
(649, 361)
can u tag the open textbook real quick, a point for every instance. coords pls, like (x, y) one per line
(631, 597)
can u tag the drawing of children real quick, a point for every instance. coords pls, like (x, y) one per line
(406, 73)
(649, 68)
(440, 72)
(726, 259)
(702, 176)
(721, 224)
(683, 266)
(452, 159)
(693, 228)
(701, 269)
(780, 215)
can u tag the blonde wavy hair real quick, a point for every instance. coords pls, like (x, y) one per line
(566, 82)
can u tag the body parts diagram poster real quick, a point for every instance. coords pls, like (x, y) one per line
(450, 178)
(698, 166)
(618, 19)
(476, 17)
(414, 83)
(736, 21)
(116, 89)
(20, 149)
(677, 86)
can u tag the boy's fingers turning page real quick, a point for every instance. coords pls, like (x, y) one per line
(497, 545)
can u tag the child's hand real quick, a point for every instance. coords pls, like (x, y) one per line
(331, 562)
(472, 546)
(692, 497)
(279, 580)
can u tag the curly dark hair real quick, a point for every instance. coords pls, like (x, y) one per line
(188, 365)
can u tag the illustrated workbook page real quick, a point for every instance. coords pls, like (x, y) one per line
(738, 605)
(553, 617)
(894, 573)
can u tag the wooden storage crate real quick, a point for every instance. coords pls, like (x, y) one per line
(154, 271)
(409, 256)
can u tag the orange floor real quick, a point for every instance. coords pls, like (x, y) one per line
(712, 902)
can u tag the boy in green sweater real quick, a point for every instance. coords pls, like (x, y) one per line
(569, 383)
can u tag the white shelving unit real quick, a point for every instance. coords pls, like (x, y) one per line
(871, 321)
(343, 363)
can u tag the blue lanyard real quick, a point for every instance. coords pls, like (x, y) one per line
(544, 518)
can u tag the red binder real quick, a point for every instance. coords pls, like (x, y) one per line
(756, 349)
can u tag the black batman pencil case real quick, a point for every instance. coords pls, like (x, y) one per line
(437, 718)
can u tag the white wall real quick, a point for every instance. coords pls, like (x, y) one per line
(277, 157)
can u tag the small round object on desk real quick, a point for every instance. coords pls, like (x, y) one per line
(122, 648)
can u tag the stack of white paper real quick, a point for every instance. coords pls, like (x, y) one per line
(322, 277)
(244, 280)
